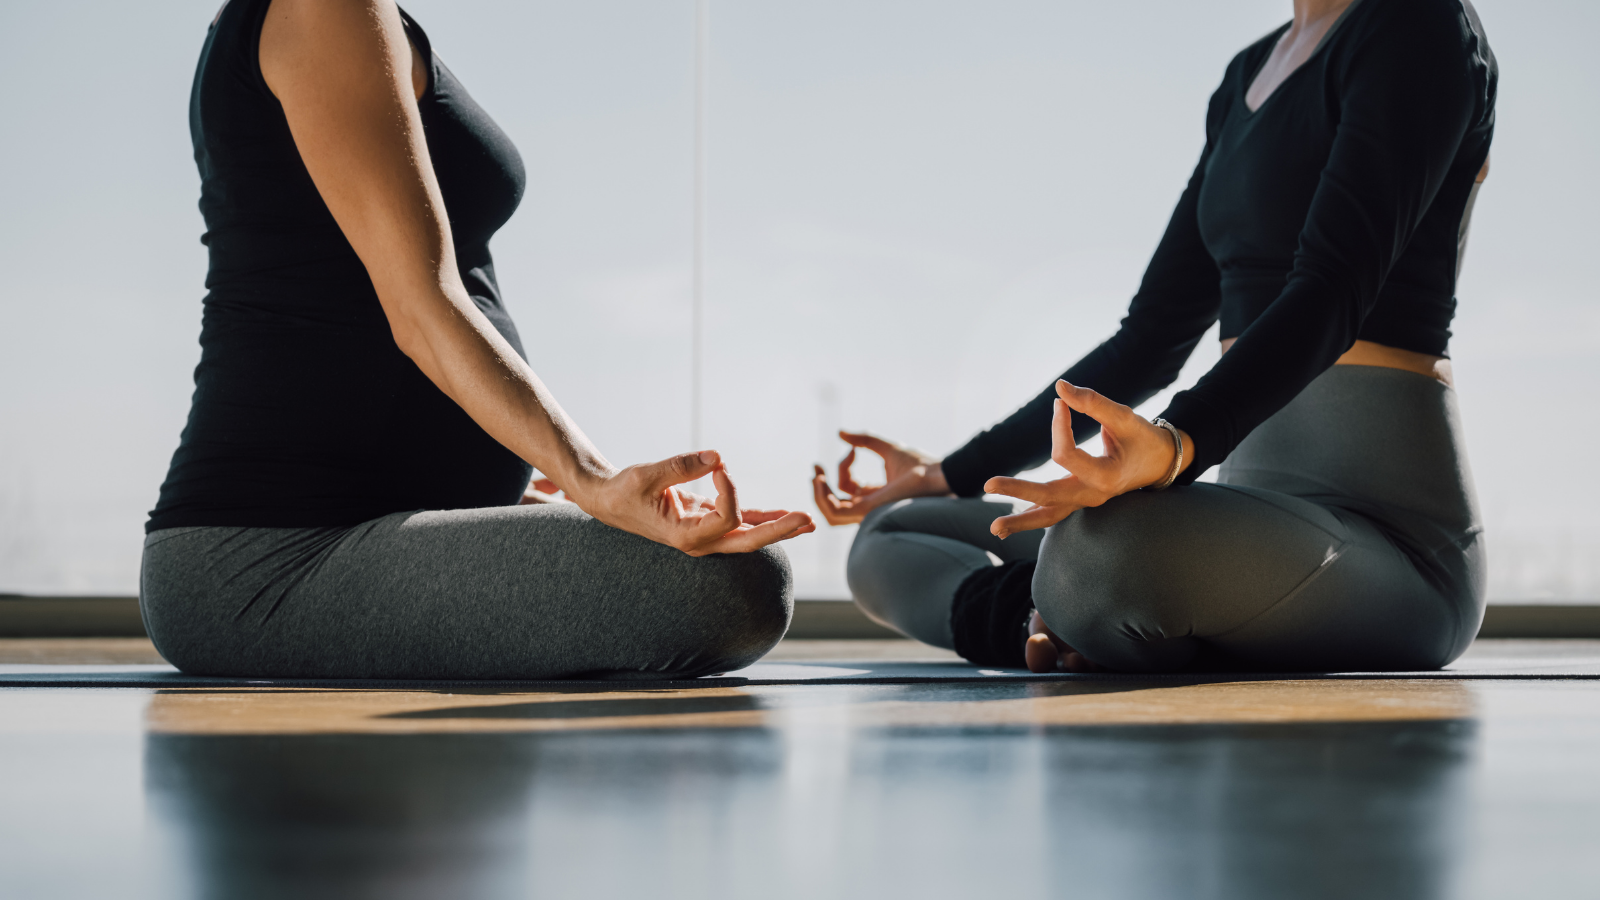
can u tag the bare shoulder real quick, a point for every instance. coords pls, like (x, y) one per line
(337, 41)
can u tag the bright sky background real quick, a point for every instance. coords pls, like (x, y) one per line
(924, 209)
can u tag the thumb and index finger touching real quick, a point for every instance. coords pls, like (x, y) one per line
(1064, 446)
(869, 442)
(1092, 403)
(680, 469)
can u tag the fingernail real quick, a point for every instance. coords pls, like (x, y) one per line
(709, 457)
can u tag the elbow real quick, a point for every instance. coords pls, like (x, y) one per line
(406, 338)
(405, 326)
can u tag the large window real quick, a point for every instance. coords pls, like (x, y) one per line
(917, 214)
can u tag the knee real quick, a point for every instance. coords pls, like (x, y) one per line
(1087, 573)
(1104, 584)
(756, 592)
(876, 566)
(1076, 604)
(863, 575)
(885, 517)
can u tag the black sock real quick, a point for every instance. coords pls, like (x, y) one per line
(989, 617)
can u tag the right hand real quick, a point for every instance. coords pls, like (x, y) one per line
(909, 473)
(646, 501)
(1137, 453)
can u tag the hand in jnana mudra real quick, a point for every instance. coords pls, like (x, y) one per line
(1138, 454)
(907, 473)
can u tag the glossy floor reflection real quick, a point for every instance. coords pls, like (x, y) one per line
(1243, 790)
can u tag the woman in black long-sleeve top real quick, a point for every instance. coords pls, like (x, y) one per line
(1324, 226)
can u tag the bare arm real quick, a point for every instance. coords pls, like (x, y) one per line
(343, 71)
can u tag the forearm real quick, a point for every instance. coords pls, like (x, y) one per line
(1129, 368)
(455, 345)
(1178, 299)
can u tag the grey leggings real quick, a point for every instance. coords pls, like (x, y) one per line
(518, 592)
(1343, 534)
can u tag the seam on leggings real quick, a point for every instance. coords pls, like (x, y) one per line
(1250, 493)
(1326, 564)
(1329, 490)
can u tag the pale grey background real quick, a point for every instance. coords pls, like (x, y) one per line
(920, 211)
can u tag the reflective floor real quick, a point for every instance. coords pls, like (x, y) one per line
(1348, 789)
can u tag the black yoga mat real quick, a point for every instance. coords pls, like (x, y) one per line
(1477, 667)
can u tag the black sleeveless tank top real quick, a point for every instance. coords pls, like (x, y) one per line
(305, 413)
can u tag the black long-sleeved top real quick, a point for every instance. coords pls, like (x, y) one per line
(305, 413)
(1333, 213)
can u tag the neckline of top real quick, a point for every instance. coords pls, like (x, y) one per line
(1322, 42)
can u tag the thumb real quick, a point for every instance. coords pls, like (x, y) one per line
(679, 469)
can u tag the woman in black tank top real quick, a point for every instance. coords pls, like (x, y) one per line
(345, 497)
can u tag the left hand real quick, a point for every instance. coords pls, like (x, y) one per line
(1138, 453)
(908, 473)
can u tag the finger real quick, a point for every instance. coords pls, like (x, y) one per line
(754, 537)
(693, 502)
(722, 518)
(1067, 454)
(862, 504)
(727, 496)
(1031, 491)
(545, 486)
(869, 442)
(680, 469)
(847, 481)
(817, 472)
(1061, 436)
(1091, 403)
(744, 540)
(1030, 519)
(761, 516)
(832, 510)
(677, 503)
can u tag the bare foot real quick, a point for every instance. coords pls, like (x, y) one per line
(1046, 652)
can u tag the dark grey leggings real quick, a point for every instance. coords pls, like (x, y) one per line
(1343, 534)
(518, 592)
